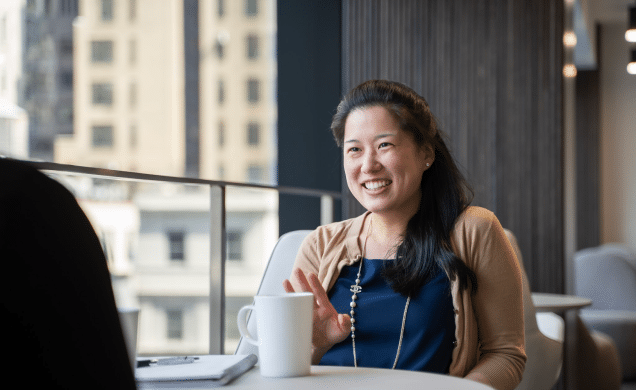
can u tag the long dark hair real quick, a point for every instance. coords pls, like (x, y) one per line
(426, 246)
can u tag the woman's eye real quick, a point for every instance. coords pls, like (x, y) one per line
(384, 144)
(354, 149)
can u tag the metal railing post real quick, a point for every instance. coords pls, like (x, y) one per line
(326, 209)
(217, 269)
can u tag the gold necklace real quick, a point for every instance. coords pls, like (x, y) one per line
(355, 289)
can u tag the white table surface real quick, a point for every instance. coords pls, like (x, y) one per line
(544, 302)
(345, 378)
(567, 306)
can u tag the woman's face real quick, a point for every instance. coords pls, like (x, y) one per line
(382, 163)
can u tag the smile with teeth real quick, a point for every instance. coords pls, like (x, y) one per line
(374, 185)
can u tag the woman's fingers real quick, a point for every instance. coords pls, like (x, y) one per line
(300, 278)
(288, 286)
(319, 292)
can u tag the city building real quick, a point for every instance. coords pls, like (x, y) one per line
(47, 80)
(151, 95)
(13, 119)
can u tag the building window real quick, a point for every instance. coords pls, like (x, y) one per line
(66, 7)
(253, 90)
(221, 134)
(234, 245)
(220, 8)
(219, 47)
(252, 47)
(177, 246)
(101, 51)
(255, 174)
(103, 94)
(102, 136)
(251, 7)
(132, 52)
(107, 10)
(253, 133)
(133, 136)
(132, 10)
(221, 92)
(64, 114)
(66, 47)
(175, 324)
(133, 95)
(47, 7)
(66, 79)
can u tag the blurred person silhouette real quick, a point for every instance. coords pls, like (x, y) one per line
(61, 325)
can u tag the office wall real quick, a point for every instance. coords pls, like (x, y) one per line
(618, 138)
(492, 73)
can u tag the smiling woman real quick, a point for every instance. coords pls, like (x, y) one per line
(382, 163)
(421, 281)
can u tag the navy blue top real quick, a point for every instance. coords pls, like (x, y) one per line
(429, 331)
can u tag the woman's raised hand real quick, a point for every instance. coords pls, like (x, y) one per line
(330, 327)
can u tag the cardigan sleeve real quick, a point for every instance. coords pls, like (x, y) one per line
(497, 303)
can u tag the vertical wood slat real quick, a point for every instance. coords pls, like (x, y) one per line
(491, 72)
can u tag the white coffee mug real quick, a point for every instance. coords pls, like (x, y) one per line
(284, 326)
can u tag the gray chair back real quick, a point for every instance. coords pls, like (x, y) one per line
(606, 276)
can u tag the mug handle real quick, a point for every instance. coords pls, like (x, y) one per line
(242, 324)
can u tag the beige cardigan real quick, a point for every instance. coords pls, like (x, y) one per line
(489, 324)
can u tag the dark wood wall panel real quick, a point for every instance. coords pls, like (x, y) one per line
(588, 118)
(491, 72)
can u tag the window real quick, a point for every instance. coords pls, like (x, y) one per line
(65, 7)
(251, 7)
(234, 245)
(64, 114)
(3, 31)
(66, 79)
(221, 92)
(132, 10)
(133, 95)
(253, 133)
(132, 52)
(101, 51)
(175, 324)
(103, 94)
(253, 91)
(176, 241)
(102, 136)
(221, 8)
(221, 134)
(65, 47)
(133, 136)
(107, 10)
(219, 47)
(252, 46)
(255, 174)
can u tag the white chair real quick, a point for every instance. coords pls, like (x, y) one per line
(544, 338)
(279, 267)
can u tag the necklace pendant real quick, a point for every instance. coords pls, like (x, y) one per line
(355, 289)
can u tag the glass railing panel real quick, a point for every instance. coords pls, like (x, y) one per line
(251, 234)
(156, 237)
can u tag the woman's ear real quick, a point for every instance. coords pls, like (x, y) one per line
(429, 155)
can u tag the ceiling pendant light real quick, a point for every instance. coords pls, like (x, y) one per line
(631, 67)
(630, 34)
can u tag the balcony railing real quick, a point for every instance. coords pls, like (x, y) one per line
(217, 223)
